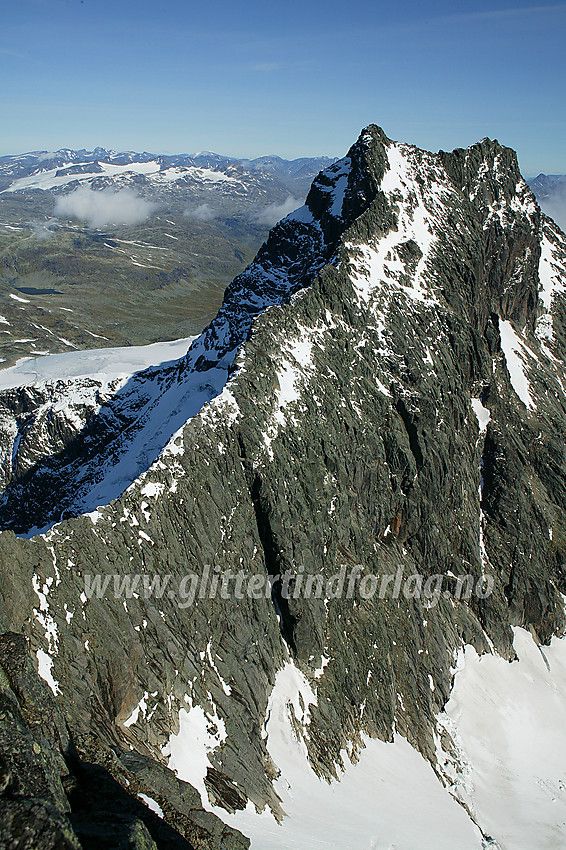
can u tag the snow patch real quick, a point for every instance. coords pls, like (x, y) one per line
(105, 364)
(294, 365)
(152, 490)
(379, 266)
(552, 283)
(45, 663)
(200, 733)
(482, 414)
(140, 707)
(151, 804)
(320, 670)
(514, 351)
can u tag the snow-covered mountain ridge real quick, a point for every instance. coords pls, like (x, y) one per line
(47, 171)
(383, 387)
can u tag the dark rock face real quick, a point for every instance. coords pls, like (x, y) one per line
(489, 175)
(359, 347)
(50, 798)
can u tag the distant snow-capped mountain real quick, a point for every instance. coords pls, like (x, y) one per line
(545, 185)
(52, 171)
(550, 190)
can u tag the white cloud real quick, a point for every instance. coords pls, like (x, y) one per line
(108, 206)
(203, 212)
(42, 229)
(275, 212)
(555, 207)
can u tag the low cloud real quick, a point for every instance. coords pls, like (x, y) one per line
(203, 212)
(42, 229)
(108, 206)
(275, 212)
(555, 207)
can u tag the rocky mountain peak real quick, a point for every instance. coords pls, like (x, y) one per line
(381, 395)
(343, 191)
(489, 175)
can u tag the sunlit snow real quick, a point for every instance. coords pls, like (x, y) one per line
(45, 663)
(104, 364)
(552, 277)
(514, 351)
(509, 726)
(482, 414)
(188, 751)
(390, 799)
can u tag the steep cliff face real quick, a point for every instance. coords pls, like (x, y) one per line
(381, 394)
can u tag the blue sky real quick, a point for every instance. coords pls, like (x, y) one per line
(296, 78)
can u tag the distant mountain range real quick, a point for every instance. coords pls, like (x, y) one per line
(104, 248)
(546, 185)
(51, 171)
(550, 191)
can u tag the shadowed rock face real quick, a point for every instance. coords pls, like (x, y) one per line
(412, 295)
(50, 798)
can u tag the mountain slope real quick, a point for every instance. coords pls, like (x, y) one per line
(381, 394)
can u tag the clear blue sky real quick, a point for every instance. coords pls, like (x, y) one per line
(297, 78)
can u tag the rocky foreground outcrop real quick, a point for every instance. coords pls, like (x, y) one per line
(382, 390)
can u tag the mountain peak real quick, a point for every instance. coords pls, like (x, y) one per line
(378, 404)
